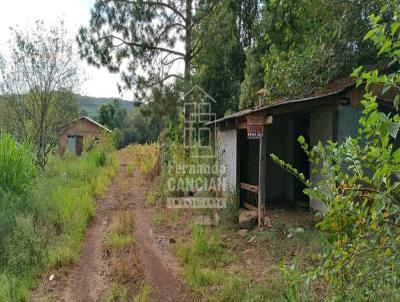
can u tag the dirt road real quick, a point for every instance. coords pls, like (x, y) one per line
(89, 279)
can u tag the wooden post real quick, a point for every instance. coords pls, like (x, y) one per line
(261, 179)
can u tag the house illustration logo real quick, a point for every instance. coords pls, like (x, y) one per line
(198, 136)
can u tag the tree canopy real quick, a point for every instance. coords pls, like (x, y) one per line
(144, 40)
(36, 83)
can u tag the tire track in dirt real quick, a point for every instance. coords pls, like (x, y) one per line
(88, 280)
(159, 265)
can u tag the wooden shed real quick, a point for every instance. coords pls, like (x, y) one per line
(246, 139)
(76, 131)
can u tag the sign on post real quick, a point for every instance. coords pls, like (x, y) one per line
(255, 126)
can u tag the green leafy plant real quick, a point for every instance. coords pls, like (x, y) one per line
(17, 166)
(360, 186)
(37, 206)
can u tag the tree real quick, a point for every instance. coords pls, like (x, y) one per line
(301, 48)
(108, 112)
(219, 66)
(36, 82)
(147, 36)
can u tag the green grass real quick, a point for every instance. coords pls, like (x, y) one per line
(44, 213)
(214, 264)
(118, 292)
(116, 242)
(130, 168)
(143, 295)
(151, 199)
(158, 218)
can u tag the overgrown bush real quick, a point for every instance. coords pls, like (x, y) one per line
(17, 166)
(43, 214)
(361, 190)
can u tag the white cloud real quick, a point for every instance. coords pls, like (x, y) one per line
(75, 13)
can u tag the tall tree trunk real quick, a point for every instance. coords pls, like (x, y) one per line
(188, 40)
(188, 61)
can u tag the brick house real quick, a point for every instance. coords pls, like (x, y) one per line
(330, 114)
(77, 130)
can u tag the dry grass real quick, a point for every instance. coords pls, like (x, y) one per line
(124, 266)
(124, 222)
(143, 156)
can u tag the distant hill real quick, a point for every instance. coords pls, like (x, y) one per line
(91, 104)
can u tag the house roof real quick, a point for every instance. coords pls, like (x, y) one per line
(332, 89)
(91, 121)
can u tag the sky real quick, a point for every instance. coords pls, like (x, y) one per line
(24, 13)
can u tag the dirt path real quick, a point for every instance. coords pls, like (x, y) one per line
(159, 265)
(89, 279)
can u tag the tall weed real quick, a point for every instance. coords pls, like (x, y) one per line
(44, 213)
(17, 165)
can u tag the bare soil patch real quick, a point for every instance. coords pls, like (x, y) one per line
(153, 247)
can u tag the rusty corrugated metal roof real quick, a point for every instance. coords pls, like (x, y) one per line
(332, 89)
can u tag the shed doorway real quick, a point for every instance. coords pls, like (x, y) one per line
(75, 144)
(301, 126)
(283, 190)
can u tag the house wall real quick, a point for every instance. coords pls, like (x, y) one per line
(321, 129)
(79, 127)
(227, 152)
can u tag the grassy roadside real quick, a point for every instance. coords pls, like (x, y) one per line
(42, 224)
(264, 265)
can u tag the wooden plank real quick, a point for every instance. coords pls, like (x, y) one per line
(242, 125)
(250, 207)
(248, 187)
(261, 179)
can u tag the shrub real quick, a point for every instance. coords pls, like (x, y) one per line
(360, 187)
(100, 158)
(57, 205)
(17, 165)
(24, 247)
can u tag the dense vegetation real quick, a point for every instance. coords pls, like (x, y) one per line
(128, 127)
(44, 213)
(360, 188)
(290, 48)
(231, 49)
(89, 105)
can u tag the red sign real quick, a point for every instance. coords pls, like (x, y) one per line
(255, 126)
